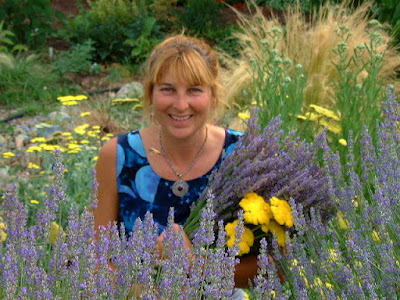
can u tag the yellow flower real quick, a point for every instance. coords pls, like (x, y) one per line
(34, 148)
(326, 112)
(246, 296)
(256, 210)
(84, 142)
(81, 129)
(54, 232)
(38, 140)
(333, 255)
(276, 229)
(96, 127)
(69, 103)
(343, 142)
(137, 106)
(70, 98)
(332, 127)
(124, 100)
(85, 114)
(247, 239)
(281, 211)
(34, 202)
(3, 233)
(376, 237)
(343, 223)
(66, 133)
(308, 116)
(95, 158)
(8, 154)
(33, 166)
(243, 116)
(105, 138)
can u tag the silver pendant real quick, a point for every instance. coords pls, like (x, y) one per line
(180, 188)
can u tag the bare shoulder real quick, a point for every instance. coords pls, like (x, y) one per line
(216, 134)
(109, 149)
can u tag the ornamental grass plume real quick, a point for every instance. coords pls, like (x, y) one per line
(309, 43)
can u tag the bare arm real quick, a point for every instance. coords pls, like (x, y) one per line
(107, 208)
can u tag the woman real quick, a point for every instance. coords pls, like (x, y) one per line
(168, 164)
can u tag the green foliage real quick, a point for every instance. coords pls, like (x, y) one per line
(29, 20)
(77, 60)
(358, 96)
(143, 36)
(200, 17)
(23, 80)
(389, 11)
(275, 91)
(6, 41)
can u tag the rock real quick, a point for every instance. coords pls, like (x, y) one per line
(130, 90)
(59, 117)
(21, 141)
(47, 131)
(22, 129)
(3, 142)
(4, 176)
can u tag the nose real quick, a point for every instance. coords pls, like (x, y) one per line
(181, 102)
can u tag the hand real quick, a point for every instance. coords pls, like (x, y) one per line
(177, 229)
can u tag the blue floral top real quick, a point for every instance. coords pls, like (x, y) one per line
(140, 189)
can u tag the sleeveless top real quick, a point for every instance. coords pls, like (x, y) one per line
(140, 189)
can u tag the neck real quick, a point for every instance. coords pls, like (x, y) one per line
(180, 151)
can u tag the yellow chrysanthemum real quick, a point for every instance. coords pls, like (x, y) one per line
(276, 229)
(33, 166)
(256, 210)
(247, 239)
(34, 148)
(38, 140)
(243, 116)
(3, 233)
(85, 114)
(326, 112)
(332, 127)
(376, 237)
(8, 154)
(308, 116)
(281, 211)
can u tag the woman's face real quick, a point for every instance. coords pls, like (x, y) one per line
(181, 108)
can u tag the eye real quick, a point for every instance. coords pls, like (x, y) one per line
(167, 89)
(195, 90)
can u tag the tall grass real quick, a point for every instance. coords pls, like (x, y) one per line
(311, 43)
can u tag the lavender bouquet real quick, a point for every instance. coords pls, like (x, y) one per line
(262, 176)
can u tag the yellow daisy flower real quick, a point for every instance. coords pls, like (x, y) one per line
(38, 140)
(33, 166)
(281, 211)
(85, 114)
(256, 210)
(326, 112)
(276, 229)
(244, 116)
(3, 233)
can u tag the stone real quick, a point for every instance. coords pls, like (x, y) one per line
(130, 90)
(47, 131)
(21, 141)
(3, 142)
(59, 117)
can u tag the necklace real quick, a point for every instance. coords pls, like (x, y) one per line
(181, 187)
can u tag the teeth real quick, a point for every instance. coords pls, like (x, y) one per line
(180, 118)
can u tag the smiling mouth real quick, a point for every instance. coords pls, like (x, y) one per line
(176, 118)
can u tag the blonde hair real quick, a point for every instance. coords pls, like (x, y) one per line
(189, 59)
